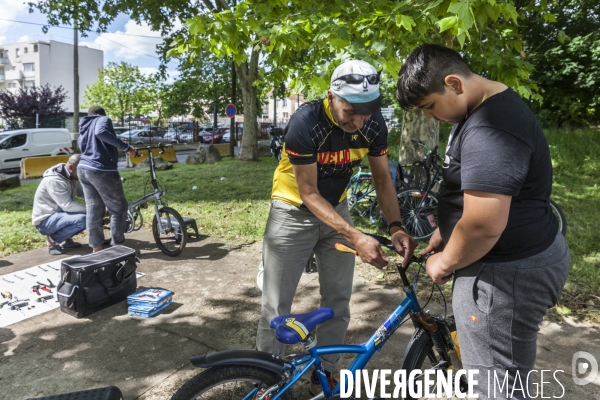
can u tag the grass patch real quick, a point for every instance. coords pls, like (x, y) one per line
(230, 202)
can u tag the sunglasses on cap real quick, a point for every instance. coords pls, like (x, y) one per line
(357, 78)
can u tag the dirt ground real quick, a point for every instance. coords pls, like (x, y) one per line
(216, 307)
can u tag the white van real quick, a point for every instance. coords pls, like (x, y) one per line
(24, 143)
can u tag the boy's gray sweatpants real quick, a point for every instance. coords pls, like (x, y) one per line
(291, 236)
(498, 308)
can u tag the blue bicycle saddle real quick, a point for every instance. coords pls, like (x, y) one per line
(294, 328)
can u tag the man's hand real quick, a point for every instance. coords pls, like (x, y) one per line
(369, 250)
(436, 244)
(436, 269)
(405, 245)
(131, 152)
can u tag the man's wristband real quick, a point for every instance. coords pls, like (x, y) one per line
(393, 224)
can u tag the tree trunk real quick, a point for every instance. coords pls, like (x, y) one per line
(248, 73)
(232, 134)
(416, 126)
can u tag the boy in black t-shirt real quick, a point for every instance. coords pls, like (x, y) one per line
(496, 230)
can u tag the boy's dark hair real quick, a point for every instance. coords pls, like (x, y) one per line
(424, 72)
(96, 110)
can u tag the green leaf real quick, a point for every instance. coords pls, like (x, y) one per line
(405, 21)
(562, 37)
(562, 310)
(447, 23)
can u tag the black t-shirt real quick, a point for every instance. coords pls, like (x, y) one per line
(500, 148)
(312, 136)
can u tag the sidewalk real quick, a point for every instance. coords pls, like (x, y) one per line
(215, 307)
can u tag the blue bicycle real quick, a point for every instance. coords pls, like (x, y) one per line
(360, 191)
(252, 374)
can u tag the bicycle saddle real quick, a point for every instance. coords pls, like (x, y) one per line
(294, 328)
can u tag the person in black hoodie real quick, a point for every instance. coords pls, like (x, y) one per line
(99, 177)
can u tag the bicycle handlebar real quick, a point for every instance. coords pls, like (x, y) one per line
(149, 148)
(339, 246)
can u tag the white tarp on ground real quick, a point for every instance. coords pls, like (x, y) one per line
(20, 285)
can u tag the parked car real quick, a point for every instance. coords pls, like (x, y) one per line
(154, 129)
(137, 137)
(121, 129)
(226, 137)
(218, 135)
(23, 143)
(186, 137)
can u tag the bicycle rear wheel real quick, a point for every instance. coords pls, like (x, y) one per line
(560, 216)
(418, 214)
(173, 240)
(229, 382)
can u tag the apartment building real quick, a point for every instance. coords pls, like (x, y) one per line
(285, 107)
(38, 63)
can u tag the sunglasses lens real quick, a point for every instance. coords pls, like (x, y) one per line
(354, 79)
(373, 79)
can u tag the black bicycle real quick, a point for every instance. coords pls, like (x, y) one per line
(168, 226)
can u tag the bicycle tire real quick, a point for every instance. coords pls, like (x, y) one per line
(560, 216)
(419, 219)
(207, 384)
(174, 240)
(420, 354)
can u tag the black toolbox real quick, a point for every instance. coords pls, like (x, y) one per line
(95, 281)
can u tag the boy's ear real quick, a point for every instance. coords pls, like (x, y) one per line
(454, 83)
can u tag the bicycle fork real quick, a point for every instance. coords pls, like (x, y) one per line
(430, 324)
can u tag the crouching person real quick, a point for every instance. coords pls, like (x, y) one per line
(55, 212)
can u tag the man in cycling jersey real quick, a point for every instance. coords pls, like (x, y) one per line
(496, 229)
(323, 141)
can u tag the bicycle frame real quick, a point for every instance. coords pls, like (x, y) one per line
(364, 351)
(156, 194)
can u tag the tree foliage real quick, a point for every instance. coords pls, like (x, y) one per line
(565, 49)
(19, 109)
(204, 84)
(121, 89)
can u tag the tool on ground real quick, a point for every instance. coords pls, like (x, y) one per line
(50, 266)
(30, 307)
(4, 303)
(36, 289)
(7, 295)
(17, 276)
(4, 279)
(45, 298)
(30, 274)
(43, 269)
(51, 285)
(17, 306)
(45, 289)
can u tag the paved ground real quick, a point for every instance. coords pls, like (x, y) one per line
(216, 304)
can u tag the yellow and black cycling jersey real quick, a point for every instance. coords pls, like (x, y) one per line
(312, 136)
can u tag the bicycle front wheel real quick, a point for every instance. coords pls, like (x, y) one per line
(418, 213)
(421, 355)
(172, 241)
(229, 382)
